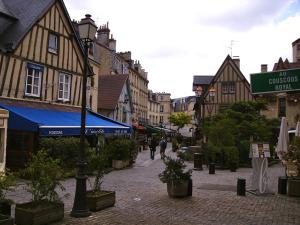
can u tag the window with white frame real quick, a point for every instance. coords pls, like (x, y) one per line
(33, 80)
(64, 87)
(228, 87)
(53, 43)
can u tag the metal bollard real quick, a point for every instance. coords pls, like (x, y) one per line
(198, 161)
(241, 187)
(190, 187)
(282, 185)
(211, 168)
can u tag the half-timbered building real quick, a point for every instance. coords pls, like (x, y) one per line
(41, 70)
(227, 86)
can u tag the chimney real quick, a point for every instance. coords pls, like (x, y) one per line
(103, 35)
(236, 60)
(126, 55)
(264, 68)
(112, 43)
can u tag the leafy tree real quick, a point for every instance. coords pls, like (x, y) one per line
(180, 119)
(234, 127)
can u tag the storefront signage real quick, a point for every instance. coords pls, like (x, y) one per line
(260, 150)
(279, 81)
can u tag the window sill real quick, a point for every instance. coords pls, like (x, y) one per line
(53, 51)
(63, 101)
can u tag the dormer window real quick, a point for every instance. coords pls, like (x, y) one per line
(53, 43)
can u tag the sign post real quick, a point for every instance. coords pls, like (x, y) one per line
(278, 81)
(259, 152)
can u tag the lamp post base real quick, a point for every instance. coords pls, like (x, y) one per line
(80, 208)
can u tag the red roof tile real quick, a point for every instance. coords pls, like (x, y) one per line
(109, 90)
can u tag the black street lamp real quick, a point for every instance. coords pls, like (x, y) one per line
(198, 110)
(87, 30)
(200, 107)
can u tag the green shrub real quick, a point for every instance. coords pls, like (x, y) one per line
(44, 174)
(232, 157)
(97, 162)
(175, 144)
(7, 181)
(122, 148)
(175, 171)
(186, 156)
(66, 149)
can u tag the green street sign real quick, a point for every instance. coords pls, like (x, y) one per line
(278, 81)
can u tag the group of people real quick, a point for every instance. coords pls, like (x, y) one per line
(154, 143)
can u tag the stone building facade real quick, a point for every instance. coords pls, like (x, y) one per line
(112, 62)
(285, 100)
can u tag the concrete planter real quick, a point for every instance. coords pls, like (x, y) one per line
(6, 220)
(294, 187)
(178, 190)
(119, 164)
(100, 200)
(38, 213)
(5, 207)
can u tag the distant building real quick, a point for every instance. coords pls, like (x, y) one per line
(227, 86)
(186, 105)
(164, 100)
(153, 109)
(113, 62)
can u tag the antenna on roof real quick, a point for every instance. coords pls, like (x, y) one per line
(231, 46)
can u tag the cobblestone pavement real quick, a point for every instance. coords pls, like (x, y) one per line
(142, 199)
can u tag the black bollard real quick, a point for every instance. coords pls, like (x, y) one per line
(190, 188)
(198, 161)
(241, 187)
(211, 168)
(282, 185)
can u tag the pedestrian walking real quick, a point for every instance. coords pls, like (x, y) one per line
(163, 146)
(153, 145)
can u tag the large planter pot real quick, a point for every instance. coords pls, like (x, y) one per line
(294, 187)
(178, 190)
(5, 207)
(100, 200)
(37, 213)
(119, 164)
(6, 220)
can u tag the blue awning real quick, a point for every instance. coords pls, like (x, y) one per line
(61, 123)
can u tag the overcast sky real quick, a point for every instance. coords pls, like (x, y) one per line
(177, 39)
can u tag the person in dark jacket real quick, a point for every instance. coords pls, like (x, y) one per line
(153, 145)
(163, 146)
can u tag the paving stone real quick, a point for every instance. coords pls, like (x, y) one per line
(142, 199)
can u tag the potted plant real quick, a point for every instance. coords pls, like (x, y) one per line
(7, 181)
(44, 174)
(120, 152)
(97, 198)
(177, 178)
(292, 160)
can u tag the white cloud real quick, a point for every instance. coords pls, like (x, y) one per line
(175, 39)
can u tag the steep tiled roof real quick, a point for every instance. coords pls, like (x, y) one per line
(280, 65)
(110, 88)
(202, 79)
(4, 10)
(27, 13)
